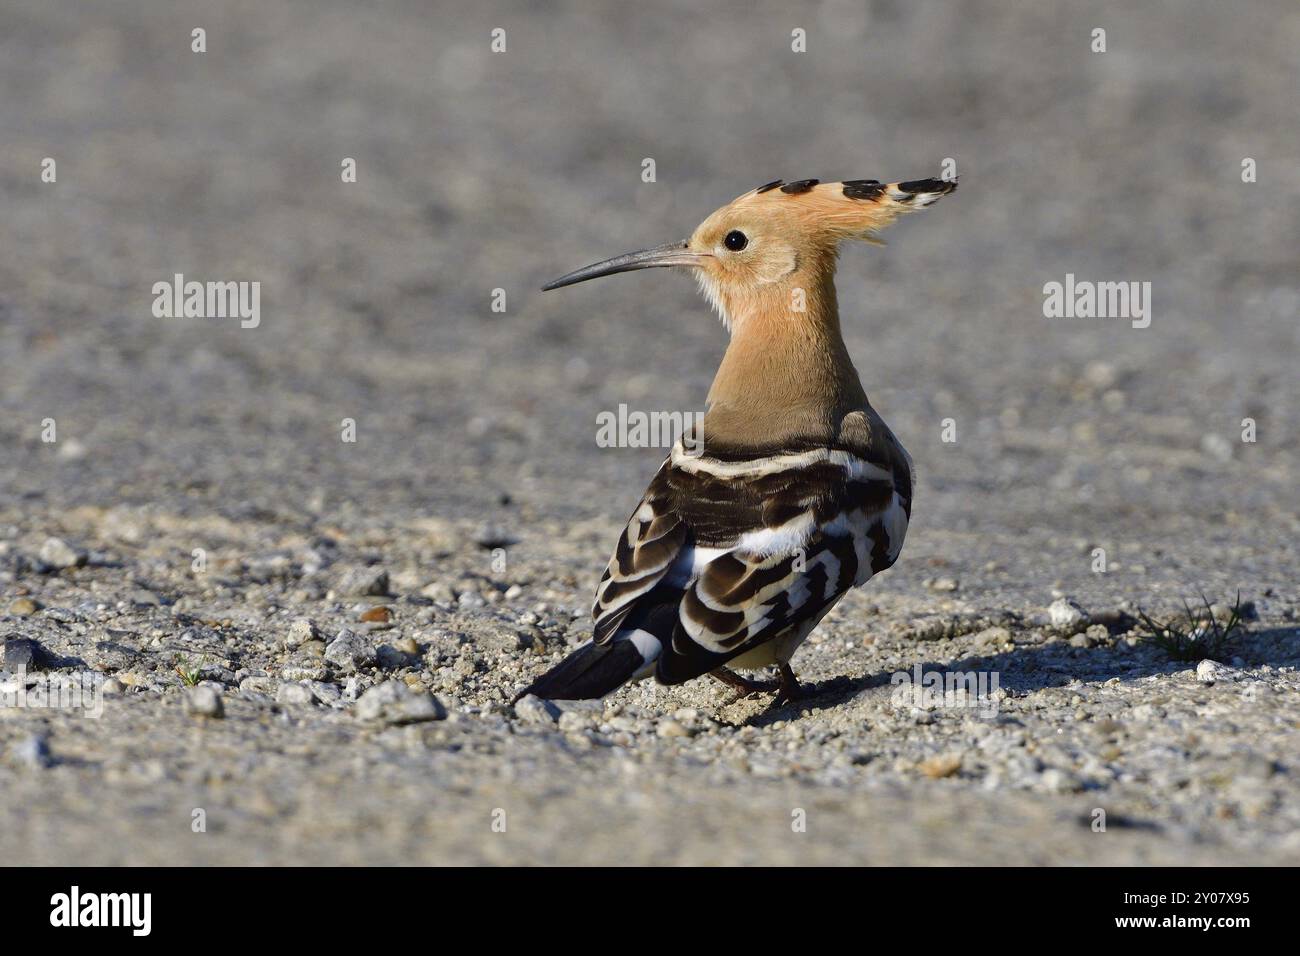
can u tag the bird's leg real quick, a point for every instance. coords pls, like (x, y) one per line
(732, 679)
(742, 685)
(789, 687)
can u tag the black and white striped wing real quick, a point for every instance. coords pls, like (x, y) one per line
(725, 555)
(647, 549)
(830, 521)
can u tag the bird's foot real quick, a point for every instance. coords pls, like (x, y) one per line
(743, 686)
(788, 688)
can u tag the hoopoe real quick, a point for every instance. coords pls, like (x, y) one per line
(795, 490)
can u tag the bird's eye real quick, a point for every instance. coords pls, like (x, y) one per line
(735, 240)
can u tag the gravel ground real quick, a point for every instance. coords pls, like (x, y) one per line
(314, 641)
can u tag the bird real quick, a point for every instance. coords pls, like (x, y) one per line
(791, 490)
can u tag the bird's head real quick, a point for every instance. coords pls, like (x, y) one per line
(756, 248)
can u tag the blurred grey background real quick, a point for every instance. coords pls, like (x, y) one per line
(481, 170)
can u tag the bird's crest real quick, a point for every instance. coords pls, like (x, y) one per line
(851, 209)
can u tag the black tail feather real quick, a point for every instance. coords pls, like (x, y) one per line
(590, 672)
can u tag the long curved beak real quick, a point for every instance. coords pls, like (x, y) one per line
(669, 254)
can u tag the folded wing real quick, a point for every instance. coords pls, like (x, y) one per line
(725, 553)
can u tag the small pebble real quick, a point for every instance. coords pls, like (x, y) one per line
(363, 582)
(24, 654)
(300, 632)
(304, 670)
(1054, 780)
(204, 701)
(534, 710)
(326, 693)
(390, 657)
(57, 553)
(393, 702)
(938, 767)
(671, 728)
(439, 591)
(23, 607)
(1211, 672)
(573, 722)
(993, 636)
(294, 694)
(34, 751)
(1066, 615)
(350, 652)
